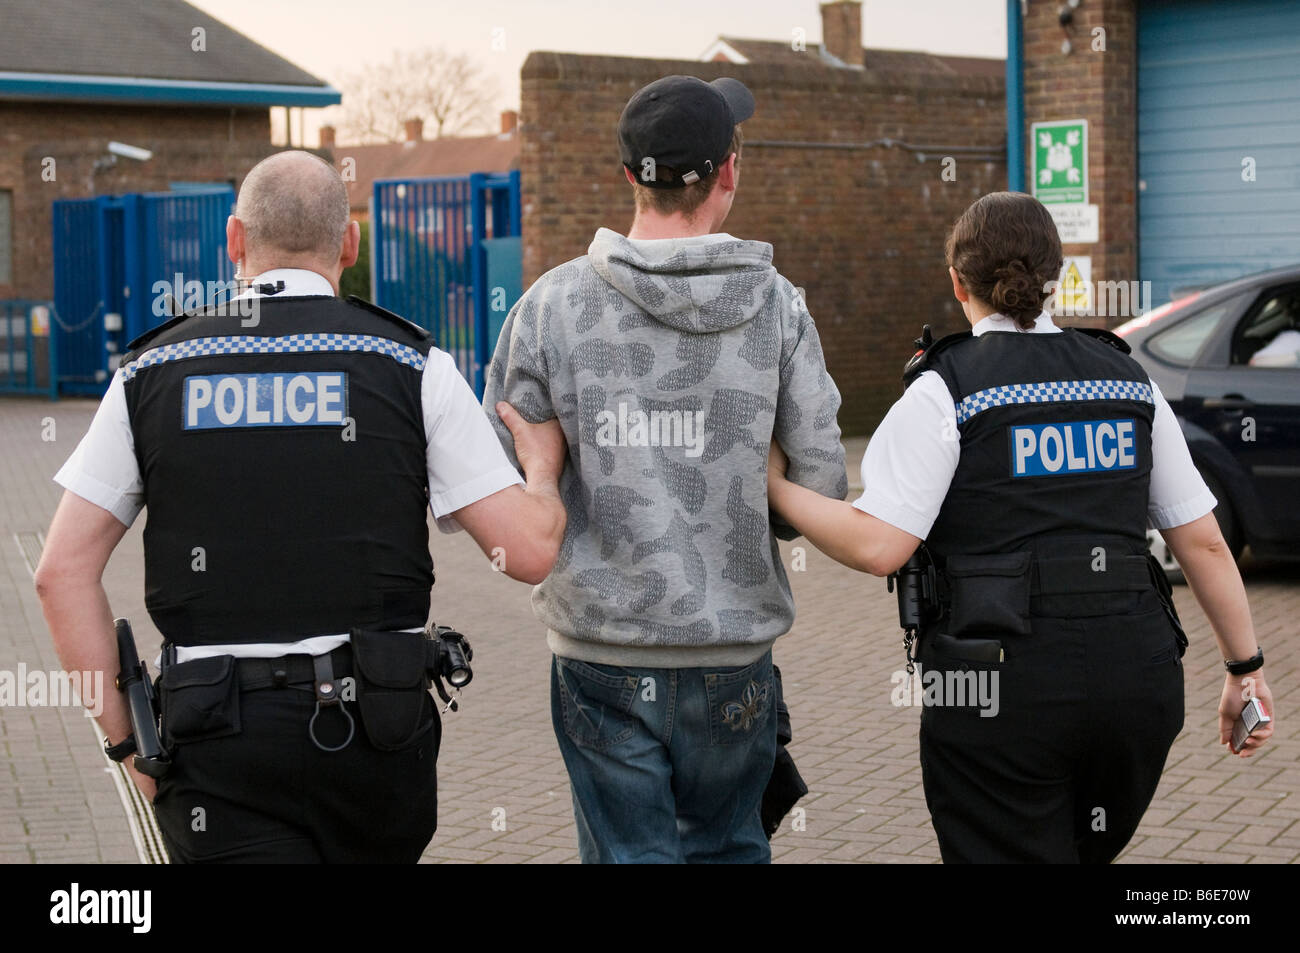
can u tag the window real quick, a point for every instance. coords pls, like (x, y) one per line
(1269, 336)
(1180, 344)
(6, 237)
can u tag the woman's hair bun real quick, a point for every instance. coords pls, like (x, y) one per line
(1017, 293)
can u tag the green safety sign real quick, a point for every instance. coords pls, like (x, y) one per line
(1061, 162)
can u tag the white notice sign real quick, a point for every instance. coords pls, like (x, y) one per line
(1077, 224)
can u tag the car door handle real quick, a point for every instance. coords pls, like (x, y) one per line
(1228, 402)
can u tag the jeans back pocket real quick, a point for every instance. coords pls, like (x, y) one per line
(741, 701)
(596, 703)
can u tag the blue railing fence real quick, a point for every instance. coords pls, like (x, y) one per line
(28, 357)
(429, 258)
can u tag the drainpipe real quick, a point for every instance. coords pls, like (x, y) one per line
(1015, 97)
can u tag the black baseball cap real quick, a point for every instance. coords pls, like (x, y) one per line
(684, 125)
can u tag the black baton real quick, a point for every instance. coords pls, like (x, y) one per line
(133, 681)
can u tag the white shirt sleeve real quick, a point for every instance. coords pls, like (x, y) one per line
(1178, 494)
(912, 457)
(103, 468)
(465, 460)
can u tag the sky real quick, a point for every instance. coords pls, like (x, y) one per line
(332, 38)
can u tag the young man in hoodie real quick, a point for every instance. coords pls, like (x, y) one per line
(672, 358)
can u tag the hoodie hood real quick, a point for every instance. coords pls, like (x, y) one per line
(698, 285)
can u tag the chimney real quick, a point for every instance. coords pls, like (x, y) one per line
(327, 137)
(414, 129)
(509, 122)
(842, 31)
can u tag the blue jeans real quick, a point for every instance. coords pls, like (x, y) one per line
(667, 765)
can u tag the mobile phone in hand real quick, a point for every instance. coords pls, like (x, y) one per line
(1252, 717)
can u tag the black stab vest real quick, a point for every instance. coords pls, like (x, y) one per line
(1055, 434)
(284, 469)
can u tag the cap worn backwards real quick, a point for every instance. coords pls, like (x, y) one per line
(677, 130)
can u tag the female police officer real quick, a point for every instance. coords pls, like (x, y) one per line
(1030, 459)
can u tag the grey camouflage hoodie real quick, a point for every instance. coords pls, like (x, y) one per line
(671, 364)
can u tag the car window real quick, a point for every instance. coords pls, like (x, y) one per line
(1269, 334)
(1181, 343)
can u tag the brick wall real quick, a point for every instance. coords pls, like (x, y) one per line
(189, 144)
(862, 230)
(1100, 87)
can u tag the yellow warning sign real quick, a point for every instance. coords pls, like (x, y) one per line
(1074, 295)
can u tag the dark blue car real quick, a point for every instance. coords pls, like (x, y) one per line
(1227, 358)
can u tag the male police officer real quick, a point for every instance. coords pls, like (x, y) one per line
(286, 457)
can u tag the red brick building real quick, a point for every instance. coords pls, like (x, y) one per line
(855, 164)
(156, 74)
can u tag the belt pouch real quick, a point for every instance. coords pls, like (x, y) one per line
(983, 651)
(199, 700)
(988, 593)
(392, 687)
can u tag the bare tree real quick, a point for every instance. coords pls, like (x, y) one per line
(448, 91)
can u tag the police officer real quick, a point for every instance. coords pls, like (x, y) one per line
(1030, 459)
(286, 446)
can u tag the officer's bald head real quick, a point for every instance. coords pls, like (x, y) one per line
(294, 206)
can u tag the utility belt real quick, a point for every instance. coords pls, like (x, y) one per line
(990, 594)
(385, 676)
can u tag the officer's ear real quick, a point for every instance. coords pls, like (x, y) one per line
(235, 239)
(958, 289)
(351, 245)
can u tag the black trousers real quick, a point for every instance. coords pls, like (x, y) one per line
(1087, 709)
(267, 794)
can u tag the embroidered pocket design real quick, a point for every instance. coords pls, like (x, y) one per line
(753, 701)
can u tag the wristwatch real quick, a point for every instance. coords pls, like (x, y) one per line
(121, 750)
(1252, 664)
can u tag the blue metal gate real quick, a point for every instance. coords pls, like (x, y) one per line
(115, 257)
(429, 259)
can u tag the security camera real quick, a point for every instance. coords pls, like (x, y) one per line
(109, 160)
(130, 152)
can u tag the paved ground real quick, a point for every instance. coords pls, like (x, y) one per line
(499, 760)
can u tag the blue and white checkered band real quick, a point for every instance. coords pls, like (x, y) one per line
(1051, 392)
(286, 344)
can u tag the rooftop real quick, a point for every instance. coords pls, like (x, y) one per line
(781, 53)
(142, 51)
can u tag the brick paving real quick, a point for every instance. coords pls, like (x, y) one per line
(503, 794)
